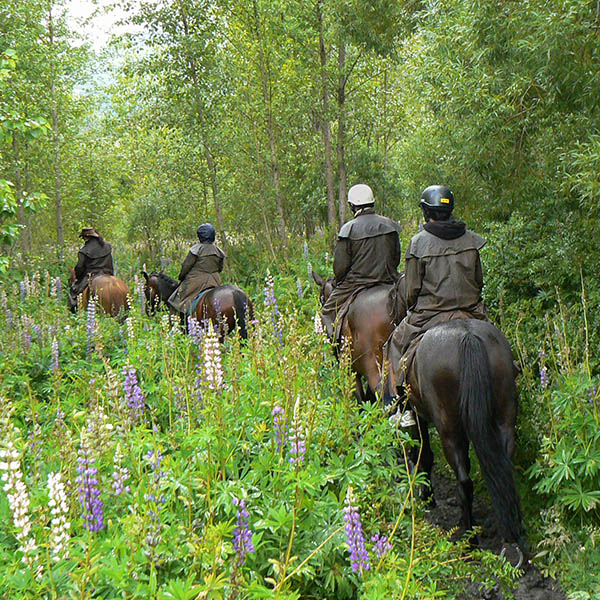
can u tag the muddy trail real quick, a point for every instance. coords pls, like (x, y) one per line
(446, 514)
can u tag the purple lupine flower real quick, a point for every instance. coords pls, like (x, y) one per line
(89, 491)
(543, 371)
(592, 396)
(242, 535)
(382, 546)
(296, 440)
(22, 291)
(271, 304)
(359, 556)
(155, 499)
(54, 366)
(90, 327)
(196, 331)
(279, 427)
(9, 318)
(134, 397)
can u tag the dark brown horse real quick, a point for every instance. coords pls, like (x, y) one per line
(462, 380)
(226, 306)
(111, 292)
(367, 325)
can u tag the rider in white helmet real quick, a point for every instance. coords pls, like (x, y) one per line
(367, 253)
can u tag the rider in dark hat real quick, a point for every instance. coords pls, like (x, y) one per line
(443, 278)
(367, 253)
(94, 257)
(200, 270)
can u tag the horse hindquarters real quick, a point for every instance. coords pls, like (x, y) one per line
(476, 401)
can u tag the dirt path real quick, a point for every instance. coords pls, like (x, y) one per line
(532, 585)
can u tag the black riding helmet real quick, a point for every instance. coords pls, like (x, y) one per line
(206, 233)
(437, 197)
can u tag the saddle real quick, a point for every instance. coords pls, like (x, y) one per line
(194, 303)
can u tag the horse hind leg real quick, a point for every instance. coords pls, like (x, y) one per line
(456, 450)
(422, 457)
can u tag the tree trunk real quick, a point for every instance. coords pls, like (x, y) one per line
(27, 190)
(325, 126)
(341, 134)
(270, 126)
(19, 193)
(212, 167)
(60, 239)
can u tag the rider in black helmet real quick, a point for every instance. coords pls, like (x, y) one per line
(443, 280)
(200, 270)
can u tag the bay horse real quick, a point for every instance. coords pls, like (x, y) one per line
(462, 380)
(226, 306)
(110, 291)
(367, 325)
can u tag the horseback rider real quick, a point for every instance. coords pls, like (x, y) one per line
(200, 270)
(94, 257)
(367, 253)
(443, 281)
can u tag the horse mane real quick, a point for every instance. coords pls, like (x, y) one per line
(166, 284)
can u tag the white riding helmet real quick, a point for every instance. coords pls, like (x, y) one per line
(360, 195)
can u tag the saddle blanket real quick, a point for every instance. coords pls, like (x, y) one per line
(196, 300)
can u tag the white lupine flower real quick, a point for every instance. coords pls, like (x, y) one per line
(318, 324)
(59, 510)
(18, 501)
(212, 369)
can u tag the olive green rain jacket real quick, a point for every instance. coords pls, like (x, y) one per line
(199, 272)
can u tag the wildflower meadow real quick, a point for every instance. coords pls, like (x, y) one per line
(142, 461)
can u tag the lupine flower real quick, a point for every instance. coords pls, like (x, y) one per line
(296, 438)
(130, 329)
(3, 300)
(271, 303)
(592, 396)
(46, 282)
(139, 287)
(309, 269)
(212, 368)
(59, 510)
(156, 499)
(18, 501)
(54, 366)
(242, 535)
(134, 397)
(305, 250)
(9, 318)
(326, 257)
(359, 556)
(196, 331)
(120, 474)
(90, 327)
(299, 288)
(22, 291)
(279, 427)
(382, 546)
(26, 324)
(318, 324)
(543, 371)
(89, 491)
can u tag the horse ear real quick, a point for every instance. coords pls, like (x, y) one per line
(318, 279)
(145, 275)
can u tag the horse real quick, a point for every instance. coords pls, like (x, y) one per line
(462, 380)
(111, 292)
(226, 306)
(367, 325)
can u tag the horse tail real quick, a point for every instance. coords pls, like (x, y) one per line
(243, 306)
(476, 400)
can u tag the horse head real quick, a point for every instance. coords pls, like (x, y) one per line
(151, 292)
(326, 286)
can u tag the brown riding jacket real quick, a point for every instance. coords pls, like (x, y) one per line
(94, 258)
(367, 251)
(443, 274)
(199, 272)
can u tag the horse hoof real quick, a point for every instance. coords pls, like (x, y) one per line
(513, 554)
